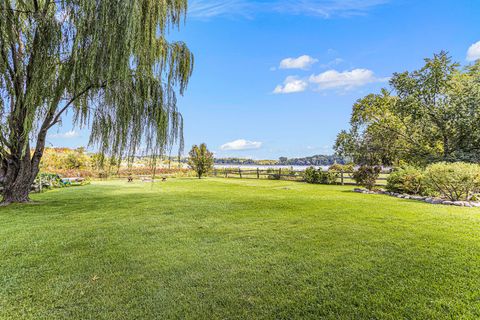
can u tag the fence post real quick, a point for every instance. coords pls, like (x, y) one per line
(341, 177)
(215, 172)
(240, 172)
(226, 175)
(279, 173)
(258, 173)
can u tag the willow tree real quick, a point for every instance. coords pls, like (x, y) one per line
(107, 62)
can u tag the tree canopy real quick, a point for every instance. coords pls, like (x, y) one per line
(428, 115)
(200, 159)
(108, 62)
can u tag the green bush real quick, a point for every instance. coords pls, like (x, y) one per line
(317, 176)
(336, 167)
(406, 179)
(367, 176)
(454, 181)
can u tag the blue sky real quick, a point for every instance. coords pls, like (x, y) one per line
(278, 77)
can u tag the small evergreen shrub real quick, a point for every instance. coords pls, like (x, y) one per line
(406, 179)
(367, 176)
(454, 181)
(317, 176)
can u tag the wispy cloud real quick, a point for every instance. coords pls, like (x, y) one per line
(473, 52)
(206, 9)
(67, 135)
(241, 144)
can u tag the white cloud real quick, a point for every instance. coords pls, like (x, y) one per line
(67, 135)
(291, 84)
(303, 62)
(473, 52)
(333, 79)
(241, 144)
(206, 9)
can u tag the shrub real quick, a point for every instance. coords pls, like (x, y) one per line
(349, 167)
(454, 181)
(367, 176)
(406, 180)
(317, 176)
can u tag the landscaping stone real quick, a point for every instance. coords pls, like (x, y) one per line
(420, 198)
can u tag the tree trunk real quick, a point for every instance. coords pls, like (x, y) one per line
(18, 179)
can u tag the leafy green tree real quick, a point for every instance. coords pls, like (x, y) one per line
(200, 160)
(429, 115)
(107, 62)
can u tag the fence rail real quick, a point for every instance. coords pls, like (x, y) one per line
(343, 178)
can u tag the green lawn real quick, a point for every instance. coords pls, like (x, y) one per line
(236, 249)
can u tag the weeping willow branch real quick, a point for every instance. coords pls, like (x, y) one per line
(64, 54)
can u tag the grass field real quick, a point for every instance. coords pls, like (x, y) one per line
(236, 249)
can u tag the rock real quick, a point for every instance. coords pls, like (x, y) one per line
(475, 204)
(428, 200)
(406, 197)
(458, 203)
(358, 190)
(467, 204)
(437, 201)
(448, 203)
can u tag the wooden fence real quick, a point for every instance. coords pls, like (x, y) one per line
(343, 178)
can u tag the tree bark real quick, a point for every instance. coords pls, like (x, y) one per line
(18, 179)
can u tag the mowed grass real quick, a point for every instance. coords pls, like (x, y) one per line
(236, 249)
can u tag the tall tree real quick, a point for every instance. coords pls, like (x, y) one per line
(108, 62)
(431, 114)
(200, 160)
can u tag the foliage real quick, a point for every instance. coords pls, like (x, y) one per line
(49, 180)
(454, 181)
(108, 62)
(200, 160)
(367, 176)
(316, 160)
(318, 176)
(336, 167)
(427, 115)
(406, 179)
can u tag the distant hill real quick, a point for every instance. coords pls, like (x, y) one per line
(316, 160)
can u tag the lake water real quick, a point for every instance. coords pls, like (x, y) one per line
(253, 166)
